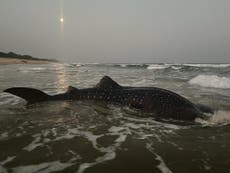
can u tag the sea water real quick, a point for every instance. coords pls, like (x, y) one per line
(85, 136)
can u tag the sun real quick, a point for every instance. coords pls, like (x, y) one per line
(61, 19)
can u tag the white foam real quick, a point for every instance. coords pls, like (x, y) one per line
(8, 99)
(176, 67)
(116, 129)
(123, 65)
(54, 131)
(121, 138)
(219, 118)
(208, 65)
(38, 68)
(211, 81)
(77, 64)
(8, 159)
(93, 63)
(42, 168)
(42, 138)
(108, 156)
(34, 144)
(144, 82)
(157, 67)
(166, 126)
(71, 133)
(162, 166)
(110, 151)
(84, 166)
(4, 135)
(3, 170)
(26, 69)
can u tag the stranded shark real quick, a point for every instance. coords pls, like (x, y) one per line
(158, 102)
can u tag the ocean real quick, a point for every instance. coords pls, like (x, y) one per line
(86, 136)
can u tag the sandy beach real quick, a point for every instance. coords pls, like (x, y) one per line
(7, 61)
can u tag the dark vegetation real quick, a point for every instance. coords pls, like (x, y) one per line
(23, 57)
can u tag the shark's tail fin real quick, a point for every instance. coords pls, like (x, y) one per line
(31, 95)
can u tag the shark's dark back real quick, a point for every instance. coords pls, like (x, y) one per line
(162, 103)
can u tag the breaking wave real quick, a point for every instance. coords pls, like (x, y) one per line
(212, 81)
(157, 66)
(219, 118)
(208, 65)
(153, 66)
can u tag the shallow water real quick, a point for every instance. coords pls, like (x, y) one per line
(78, 136)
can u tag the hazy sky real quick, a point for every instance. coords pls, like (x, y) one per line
(118, 30)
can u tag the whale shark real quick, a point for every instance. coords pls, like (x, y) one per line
(156, 102)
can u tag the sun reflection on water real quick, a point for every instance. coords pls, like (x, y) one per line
(62, 78)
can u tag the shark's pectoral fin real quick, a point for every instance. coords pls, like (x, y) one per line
(107, 83)
(205, 109)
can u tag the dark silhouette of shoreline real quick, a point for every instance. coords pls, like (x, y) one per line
(11, 55)
(13, 58)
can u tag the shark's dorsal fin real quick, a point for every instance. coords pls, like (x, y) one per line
(72, 90)
(107, 83)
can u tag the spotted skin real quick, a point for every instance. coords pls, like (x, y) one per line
(159, 102)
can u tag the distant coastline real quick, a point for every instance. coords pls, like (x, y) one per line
(13, 58)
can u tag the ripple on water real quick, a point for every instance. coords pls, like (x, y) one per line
(112, 127)
(78, 136)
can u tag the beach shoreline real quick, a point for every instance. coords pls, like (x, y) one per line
(8, 61)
